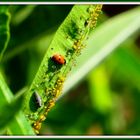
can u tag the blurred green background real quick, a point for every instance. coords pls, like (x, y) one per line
(106, 101)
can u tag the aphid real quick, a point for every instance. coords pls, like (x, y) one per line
(42, 118)
(50, 105)
(38, 99)
(59, 59)
(37, 125)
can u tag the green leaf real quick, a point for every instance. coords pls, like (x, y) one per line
(8, 110)
(22, 14)
(102, 42)
(4, 29)
(20, 126)
(99, 89)
(9, 107)
(122, 57)
(68, 41)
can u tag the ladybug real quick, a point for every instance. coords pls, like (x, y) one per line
(59, 59)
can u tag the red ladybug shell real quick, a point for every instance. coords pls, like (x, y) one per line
(59, 59)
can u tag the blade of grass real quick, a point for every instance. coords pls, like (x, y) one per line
(102, 42)
(68, 42)
(4, 29)
(21, 15)
(99, 89)
(9, 110)
(122, 57)
(19, 124)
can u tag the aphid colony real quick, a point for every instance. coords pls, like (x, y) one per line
(44, 107)
(55, 92)
(38, 123)
(59, 59)
(94, 13)
(89, 24)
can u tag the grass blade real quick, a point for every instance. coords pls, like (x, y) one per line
(68, 42)
(4, 29)
(102, 42)
(19, 124)
(11, 109)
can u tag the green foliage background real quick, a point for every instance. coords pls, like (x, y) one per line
(106, 100)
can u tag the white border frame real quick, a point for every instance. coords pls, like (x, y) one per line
(70, 136)
(68, 3)
(74, 137)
